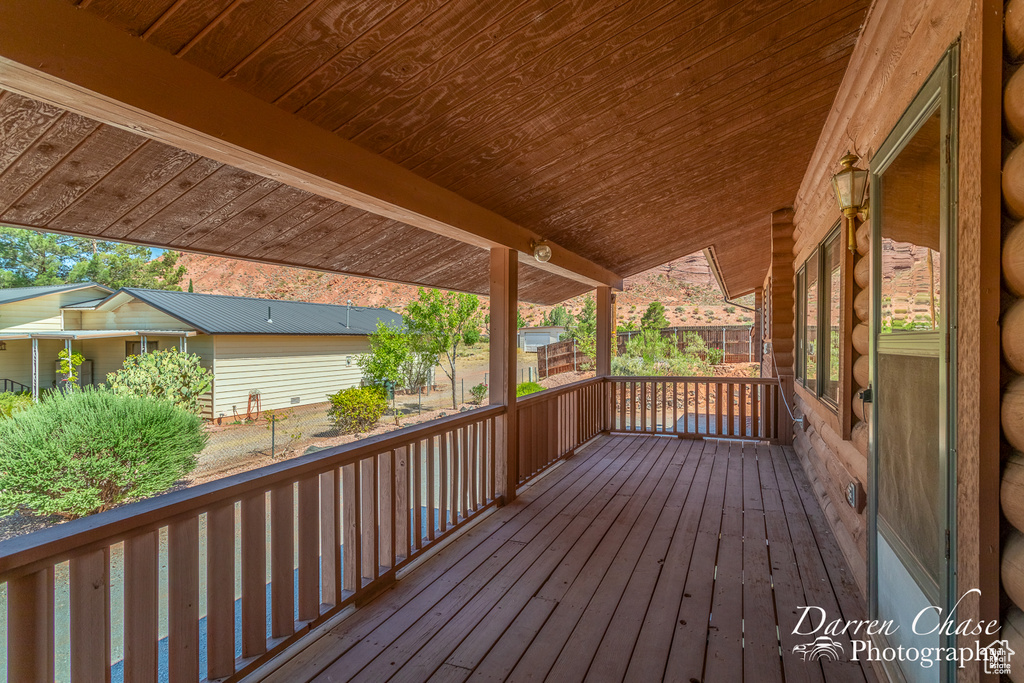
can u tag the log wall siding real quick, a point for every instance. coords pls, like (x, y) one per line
(1012, 409)
(900, 44)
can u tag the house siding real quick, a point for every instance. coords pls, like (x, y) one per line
(42, 313)
(283, 367)
(901, 43)
(131, 316)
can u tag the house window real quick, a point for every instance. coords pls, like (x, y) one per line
(134, 348)
(819, 289)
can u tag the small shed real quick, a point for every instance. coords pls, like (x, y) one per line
(532, 337)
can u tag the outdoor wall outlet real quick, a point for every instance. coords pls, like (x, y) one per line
(855, 495)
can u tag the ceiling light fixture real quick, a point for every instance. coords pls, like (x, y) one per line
(541, 251)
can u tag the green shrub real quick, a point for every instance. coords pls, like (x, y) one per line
(357, 409)
(168, 374)
(478, 392)
(715, 356)
(86, 451)
(11, 402)
(528, 388)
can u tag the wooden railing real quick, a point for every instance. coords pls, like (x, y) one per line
(10, 385)
(300, 540)
(553, 423)
(727, 407)
(333, 526)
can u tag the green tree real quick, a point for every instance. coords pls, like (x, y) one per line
(190, 285)
(389, 351)
(559, 316)
(471, 335)
(654, 317)
(35, 258)
(584, 328)
(439, 320)
(520, 321)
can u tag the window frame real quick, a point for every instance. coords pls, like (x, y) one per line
(823, 319)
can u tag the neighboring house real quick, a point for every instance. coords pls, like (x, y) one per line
(532, 337)
(291, 352)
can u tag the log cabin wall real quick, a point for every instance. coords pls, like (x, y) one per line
(900, 44)
(1012, 488)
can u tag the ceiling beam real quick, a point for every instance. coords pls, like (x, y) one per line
(53, 52)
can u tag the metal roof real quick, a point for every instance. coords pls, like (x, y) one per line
(217, 314)
(8, 296)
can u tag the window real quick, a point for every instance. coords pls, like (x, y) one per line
(134, 348)
(819, 290)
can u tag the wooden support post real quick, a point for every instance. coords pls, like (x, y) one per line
(605, 339)
(504, 292)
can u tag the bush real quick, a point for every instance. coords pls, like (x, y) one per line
(86, 451)
(357, 409)
(528, 388)
(715, 356)
(169, 374)
(478, 392)
(11, 402)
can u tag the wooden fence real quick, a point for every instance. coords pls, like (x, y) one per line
(563, 356)
(738, 343)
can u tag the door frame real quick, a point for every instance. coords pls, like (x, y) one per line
(940, 92)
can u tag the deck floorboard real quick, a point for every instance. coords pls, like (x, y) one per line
(640, 558)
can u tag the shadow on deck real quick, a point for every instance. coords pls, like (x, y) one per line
(640, 558)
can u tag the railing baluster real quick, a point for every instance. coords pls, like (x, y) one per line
(400, 466)
(755, 399)
(730, 408)
(385, 510)
(491, 464)
(220, 591)
(141, 607)
(369, 517)
(90, 617)
(417, 456)
(330, 537)
(432, 521)
(352, 538)
(282, 561)
(743, 410)
(443, 483)
(308, 547)
(474, 461)
(675, 407)
(30, 628)
(182, 600)
(643, 406)
(464, 453)
(254, 575)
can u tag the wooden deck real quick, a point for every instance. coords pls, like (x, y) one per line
(640, 558)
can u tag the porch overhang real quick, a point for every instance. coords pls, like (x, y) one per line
(634, 135)
(81, 335)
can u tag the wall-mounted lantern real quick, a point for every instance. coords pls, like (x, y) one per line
(850, 184)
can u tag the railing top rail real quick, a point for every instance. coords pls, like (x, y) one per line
(542, 396)
(710, 380)
(24, 554)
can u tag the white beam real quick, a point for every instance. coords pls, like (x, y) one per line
(53, 52)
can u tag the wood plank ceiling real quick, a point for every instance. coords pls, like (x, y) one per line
(629, 131)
